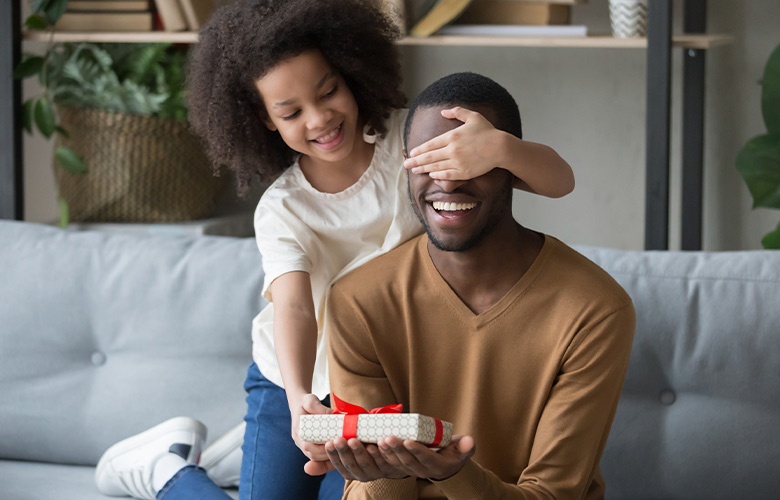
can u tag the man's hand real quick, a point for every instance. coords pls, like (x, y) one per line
(463, 153)
(415, 459)
(358, 462)
(308, 404)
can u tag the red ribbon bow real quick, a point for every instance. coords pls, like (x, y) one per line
(352, 412)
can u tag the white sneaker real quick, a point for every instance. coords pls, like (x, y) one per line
(222, 460)
(127, 467)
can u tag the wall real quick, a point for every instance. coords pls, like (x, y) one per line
(589, 104)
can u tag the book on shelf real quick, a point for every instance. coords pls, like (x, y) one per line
(564, 30)
(108, 5)
(171, 15)
(564, 2)
(442, 13)
(105, 21)
(514, 12)
(197, 12)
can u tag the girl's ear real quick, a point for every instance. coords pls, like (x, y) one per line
(269, 124)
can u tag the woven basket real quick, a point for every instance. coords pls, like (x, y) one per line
(141, 169)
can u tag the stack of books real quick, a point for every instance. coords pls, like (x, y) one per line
(106, 15)
(500, 17)
(136, 15)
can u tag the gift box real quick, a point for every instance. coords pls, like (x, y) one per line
(369, 426)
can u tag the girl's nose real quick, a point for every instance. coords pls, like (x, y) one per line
(318, 118)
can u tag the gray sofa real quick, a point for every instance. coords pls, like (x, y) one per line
(103, 335)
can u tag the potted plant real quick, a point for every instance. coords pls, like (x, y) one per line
(759, 160)
(124, 152)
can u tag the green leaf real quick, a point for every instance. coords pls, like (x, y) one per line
(70, 161)
(28, 115)
(759, 164)
(55, 9)
(28, 67)
(39, 5)
(64, 133)
(44, 117)
(36, 22)
(64, 213)
(772, 240)
(770, 93)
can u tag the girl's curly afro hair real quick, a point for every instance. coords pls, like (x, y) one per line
(244, 40)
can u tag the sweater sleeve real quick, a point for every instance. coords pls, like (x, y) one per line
(357, 376)
(574, 423)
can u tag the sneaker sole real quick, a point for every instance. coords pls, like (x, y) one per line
(172, 425)
(222, 447)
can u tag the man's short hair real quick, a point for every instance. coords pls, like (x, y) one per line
(470, 91)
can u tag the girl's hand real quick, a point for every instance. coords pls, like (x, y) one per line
(462, 153)
(308, 404)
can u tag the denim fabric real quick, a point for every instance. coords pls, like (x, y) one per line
(272, 467)
(191, 483)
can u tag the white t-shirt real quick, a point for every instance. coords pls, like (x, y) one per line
(327, 235)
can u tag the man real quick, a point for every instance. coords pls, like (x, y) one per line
(515, 338)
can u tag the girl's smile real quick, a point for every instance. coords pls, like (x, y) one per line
(332, 139)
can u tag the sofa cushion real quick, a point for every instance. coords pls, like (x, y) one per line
(699, 416)
(39, 481)
(104, 335)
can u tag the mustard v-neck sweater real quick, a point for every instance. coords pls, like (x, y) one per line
(535, 379)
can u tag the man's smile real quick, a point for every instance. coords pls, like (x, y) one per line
(448, 212)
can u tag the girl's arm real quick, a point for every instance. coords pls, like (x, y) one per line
(295, 342)
(477, 147)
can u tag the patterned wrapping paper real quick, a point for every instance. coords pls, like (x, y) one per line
(370, 427)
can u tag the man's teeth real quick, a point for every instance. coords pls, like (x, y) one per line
(451, 207)
(329, 137)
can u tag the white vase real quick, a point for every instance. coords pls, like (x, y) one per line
(628, 18)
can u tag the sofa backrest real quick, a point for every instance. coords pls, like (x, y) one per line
(103, 335)
(699, 416)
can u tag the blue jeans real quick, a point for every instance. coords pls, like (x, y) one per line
(272, 466)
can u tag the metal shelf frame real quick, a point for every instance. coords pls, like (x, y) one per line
(659, 43)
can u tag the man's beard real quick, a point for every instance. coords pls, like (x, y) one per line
(495, 215)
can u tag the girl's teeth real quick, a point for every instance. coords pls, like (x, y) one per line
(451, 207)
(329, 137)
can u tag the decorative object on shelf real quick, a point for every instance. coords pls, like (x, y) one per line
(628, 18)
(540, 13)
(759, 160)
(123, 106)
(123, 141)
(442, 13)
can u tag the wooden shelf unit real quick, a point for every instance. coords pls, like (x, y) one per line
(702, 42)
(659, 45)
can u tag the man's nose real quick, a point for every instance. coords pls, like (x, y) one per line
(448, 186)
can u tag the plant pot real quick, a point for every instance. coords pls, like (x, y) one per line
(628, 18)
(140, 169)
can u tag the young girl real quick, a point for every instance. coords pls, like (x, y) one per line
(306, 93)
